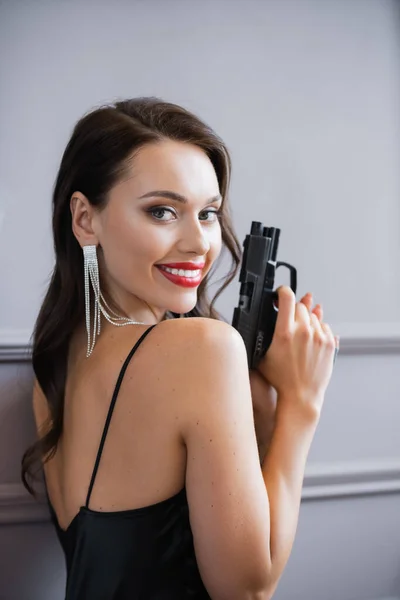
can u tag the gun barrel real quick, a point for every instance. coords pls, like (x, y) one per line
(273, 233)
(256, 228)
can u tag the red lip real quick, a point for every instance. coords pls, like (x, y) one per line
(189, 282)
(187, 266)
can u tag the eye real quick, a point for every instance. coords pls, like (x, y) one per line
(160, 209)
(216, 213)
(157, 213)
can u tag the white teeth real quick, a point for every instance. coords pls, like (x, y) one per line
(183, 273)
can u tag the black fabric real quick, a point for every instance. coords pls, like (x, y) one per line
(140, 554)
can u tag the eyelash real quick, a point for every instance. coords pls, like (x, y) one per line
(154, 209)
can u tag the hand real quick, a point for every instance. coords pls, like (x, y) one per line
(264, 395)
(307, 300)
(299, 361)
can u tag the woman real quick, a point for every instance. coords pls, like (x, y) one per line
(145, 419)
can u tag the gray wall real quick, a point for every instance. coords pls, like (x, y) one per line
(306, 94)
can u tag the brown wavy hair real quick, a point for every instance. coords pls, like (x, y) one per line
(95, 159)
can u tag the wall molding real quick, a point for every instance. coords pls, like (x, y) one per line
(355, 338)
(15, 345)
(351, 479)
(17, 506)
(322, 482)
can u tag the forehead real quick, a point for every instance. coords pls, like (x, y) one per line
(174, 166)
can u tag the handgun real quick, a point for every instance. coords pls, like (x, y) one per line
(255, 316)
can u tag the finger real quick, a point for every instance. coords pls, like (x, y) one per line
(287, 306)
(317, 325)
(302, 313)
(318, 310)
(307, 300)
(329, 333)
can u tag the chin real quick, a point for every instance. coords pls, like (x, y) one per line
(182, 307)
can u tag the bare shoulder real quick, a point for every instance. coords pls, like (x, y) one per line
(197, 357)
(182, 346)
(197, 334)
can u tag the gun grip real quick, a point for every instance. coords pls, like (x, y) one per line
(268, 317)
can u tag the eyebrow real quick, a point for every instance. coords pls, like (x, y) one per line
(175, 196)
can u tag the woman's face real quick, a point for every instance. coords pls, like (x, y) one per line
(164, 212)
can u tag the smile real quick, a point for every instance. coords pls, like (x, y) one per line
(182, 277)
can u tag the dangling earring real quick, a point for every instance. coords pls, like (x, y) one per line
(91, 275)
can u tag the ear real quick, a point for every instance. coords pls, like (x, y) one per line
(82, 220)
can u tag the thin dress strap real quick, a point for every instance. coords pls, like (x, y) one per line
(110, 410)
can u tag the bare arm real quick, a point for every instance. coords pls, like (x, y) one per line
(228, 503)
(264, 399)
(243, 516)
(283, 472)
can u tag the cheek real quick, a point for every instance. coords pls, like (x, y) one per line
(125, 245)
(216, 243)
(126, 235)
(138, 249)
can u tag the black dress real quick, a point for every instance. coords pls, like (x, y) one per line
(139, 554)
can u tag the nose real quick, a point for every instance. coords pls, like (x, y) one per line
(194, 238)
